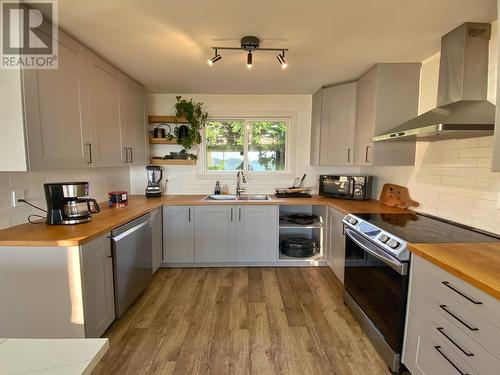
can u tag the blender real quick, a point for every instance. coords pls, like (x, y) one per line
(155, 174)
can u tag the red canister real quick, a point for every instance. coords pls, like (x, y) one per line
(117, 198)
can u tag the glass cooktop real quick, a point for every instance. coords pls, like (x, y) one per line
(421, 228)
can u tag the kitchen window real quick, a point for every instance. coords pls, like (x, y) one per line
(255, 145)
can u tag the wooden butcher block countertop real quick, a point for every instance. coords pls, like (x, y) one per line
(110, 218)
(476, 263)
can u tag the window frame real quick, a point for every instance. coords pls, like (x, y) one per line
(247, 120)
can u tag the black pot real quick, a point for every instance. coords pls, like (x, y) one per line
(298, 247)
(182, 132)
(159, 133)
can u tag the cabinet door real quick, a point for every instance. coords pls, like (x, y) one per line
(338, 120)
(104, 103)
(257, 233)
(178, 234)
(215, 234)
(157, 240)
(98, 290)
(338, 248)
(56, 110)
(133, 121)
(365, 119)
(316, 127)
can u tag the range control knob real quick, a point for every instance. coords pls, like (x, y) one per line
(352, 220)
(383, 238)
(392, 243)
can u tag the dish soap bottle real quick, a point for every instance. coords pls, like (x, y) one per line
(217, 190)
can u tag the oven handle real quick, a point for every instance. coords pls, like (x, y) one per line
(399, 267)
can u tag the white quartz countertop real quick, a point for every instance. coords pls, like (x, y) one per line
(50, 356)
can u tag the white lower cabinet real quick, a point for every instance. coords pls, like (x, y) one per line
(97, 286)
(178, 234)
(336, 243)
(157, 237)
(452, 327)
(215, 234)
(257, 233)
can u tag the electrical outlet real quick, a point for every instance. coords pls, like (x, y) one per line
(17, 194)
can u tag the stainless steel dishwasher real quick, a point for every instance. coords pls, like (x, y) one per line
(132, 261)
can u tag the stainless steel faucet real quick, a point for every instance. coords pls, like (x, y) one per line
(239, 188)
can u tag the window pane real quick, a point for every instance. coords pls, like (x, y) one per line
(266, 145)
(224, 145)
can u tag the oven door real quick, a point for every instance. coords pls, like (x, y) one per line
(337, 186)
(378, 285)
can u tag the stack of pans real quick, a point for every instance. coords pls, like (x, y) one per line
(298, 247)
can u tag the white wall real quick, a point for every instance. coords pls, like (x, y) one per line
(101, 180)
(451, 178)
(189, 180)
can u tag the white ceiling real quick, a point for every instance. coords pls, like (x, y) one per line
(165, 44)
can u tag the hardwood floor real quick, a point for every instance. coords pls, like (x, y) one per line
(240, 321)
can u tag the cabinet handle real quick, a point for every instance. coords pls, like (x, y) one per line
(441, 331)
(189, 214)
(89, 145)
(445, 308)
(438, 348)
(231, 214)
(448, 285)
(131, 155)
(366, 153)
(126, 154)
(239, 214)
(348, 155)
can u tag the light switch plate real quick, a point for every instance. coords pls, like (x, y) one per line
(17, 194)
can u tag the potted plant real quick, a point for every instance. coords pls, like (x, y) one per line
(190, 136)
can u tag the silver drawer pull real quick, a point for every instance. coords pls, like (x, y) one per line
(445, 308)
(441, 331)
(438, 348)
(448, 284)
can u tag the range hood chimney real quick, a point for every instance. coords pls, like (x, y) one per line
(463, 110)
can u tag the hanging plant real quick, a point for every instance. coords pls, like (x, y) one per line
(195, 116)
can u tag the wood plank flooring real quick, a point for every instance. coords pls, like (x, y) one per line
(240, 321)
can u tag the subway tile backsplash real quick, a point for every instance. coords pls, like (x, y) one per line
(451, 179)
(101, 180)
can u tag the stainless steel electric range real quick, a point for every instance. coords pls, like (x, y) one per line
(377, 266)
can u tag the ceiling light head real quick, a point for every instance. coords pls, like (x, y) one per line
(249, 60)
(214, 59)
(281, 59)
(249, 43)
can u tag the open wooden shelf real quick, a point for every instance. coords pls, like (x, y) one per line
(167, 119)
(172, 162)
(162, 141)
(289, 225)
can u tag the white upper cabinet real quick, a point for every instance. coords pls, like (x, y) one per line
(333, 121)
(387, 96)
(56, 111)
(104, 104)
(85, 113)
(133, 122)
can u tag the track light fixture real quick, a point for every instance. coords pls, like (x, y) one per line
(281, 59)
(249, 60)
(250, 44)
(214, 59)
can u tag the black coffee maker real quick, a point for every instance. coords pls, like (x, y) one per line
(65, 205)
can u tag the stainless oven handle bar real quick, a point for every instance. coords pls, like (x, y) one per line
(399, 267)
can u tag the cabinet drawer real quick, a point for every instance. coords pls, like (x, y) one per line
(463, 293)
(426, 353)
(475, 320)
(441, 325)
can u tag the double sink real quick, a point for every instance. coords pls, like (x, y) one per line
(243, 197)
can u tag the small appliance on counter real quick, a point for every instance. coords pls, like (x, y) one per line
(346, 187)
(117, 199)
(65, 205)
(155, 173)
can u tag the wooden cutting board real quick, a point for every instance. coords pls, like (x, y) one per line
(397, 196)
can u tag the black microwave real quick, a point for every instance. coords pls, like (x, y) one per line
(346, 187)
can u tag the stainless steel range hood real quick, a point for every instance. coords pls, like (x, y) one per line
(463, 110)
